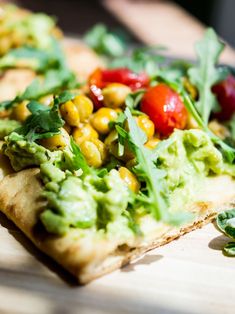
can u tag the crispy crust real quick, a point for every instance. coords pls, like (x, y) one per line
(87, 257)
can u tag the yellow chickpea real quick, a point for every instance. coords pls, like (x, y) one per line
(84, 133)
(20, 112)
(115, 95)
(152, 143)
(70, 113)
(129, 179)
(101, 119)
(56, 142)
(84, 105)
(146, 125)
(94, 151)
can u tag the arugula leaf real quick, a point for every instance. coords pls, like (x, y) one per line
(146, 169)
(44, 122)
(142, 59)
(205, 75)
(78, 160)
(104, 42)
(227, 151)
(133, 100)
(226, 223)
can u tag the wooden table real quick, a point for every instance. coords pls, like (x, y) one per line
(189, 275)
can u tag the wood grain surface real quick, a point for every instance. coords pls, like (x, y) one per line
(189, 275)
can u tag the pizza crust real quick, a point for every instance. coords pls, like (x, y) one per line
(90, 257)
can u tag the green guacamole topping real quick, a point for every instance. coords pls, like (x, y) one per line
(103, 203)
(76, 203)
(188, 157)
(23, 154)
(7, 126)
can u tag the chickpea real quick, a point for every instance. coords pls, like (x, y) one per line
(58, 141)
(115, 95)
(146, 125)
(20, 112)
(129, 179)
(152, 143)
(70, 113)
(101, 119)
(84, 133)
(84, 105)
(94, 151)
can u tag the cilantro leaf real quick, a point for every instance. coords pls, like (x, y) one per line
(44, 122)
(205, 75)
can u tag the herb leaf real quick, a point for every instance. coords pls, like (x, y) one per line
(226, 223)
(79, 161)
(44, 122)
(229, 249)
(142, 59)
(104, 42)
(146, 169)
(205, 75)
(227, 151)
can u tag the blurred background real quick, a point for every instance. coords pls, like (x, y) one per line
(176, 24)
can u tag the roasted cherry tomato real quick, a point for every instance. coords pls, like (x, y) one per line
(225, 92)
(165, 109)
(101, 78)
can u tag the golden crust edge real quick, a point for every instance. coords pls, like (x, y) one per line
(27, 182)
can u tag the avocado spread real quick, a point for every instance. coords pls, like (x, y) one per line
(23, 154)
(7, 126)
(102, 203)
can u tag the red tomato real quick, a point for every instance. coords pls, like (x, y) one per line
(165, 109)
(225, 92)
(101, 78)
(126, 77)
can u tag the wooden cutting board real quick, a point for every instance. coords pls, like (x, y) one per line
(189, 275)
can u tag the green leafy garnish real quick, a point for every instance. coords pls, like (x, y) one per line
(28, 57)
(227, 151)
(142, 59)
(155, 194)
(53, 82)
(205, 75)
(226, 223)
(133, 100)
(78, 160)
(104, 42)
(44, 122)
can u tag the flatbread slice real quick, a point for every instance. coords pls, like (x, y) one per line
(89, 257)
